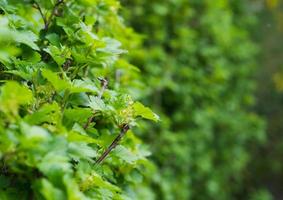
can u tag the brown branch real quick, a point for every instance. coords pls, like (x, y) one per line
(104, 84)
(115, 142)
(37, 6)
(54, 10)
(88, 122)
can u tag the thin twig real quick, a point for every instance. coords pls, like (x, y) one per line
(45, 20)
(37, 6)
(115, 142)
(88, 121)
(104, 84)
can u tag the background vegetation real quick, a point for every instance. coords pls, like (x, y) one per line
(199, 60)
(73, 76)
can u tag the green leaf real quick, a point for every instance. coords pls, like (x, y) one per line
(54, 164)
(74, 136)
(78, 115)
(112, 47)
(48, 113)
(144, 112)
(12, 96)
(96, 180)
(53, 38)
(83, 86)
(73, 190)
(80, 150)
(34, 133)
(27, 38)
(59, 55)
(49, 191)
(97, 104)
(58, 83)
(125, 154)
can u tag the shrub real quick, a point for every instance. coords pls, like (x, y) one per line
(65, 96)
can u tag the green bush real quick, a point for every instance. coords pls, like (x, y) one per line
(198, 61)
(65, 96)
(69, 85)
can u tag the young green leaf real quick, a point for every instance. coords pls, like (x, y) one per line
(12, 96)
(144, 112)
(59, 55)
(97, 104)
(58, 83)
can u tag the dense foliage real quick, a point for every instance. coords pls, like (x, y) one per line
(198, 61)
(64, 97)
(268, 169)
(71, 76)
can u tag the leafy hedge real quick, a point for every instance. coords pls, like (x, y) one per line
(69, 90)
(198, 60)
(65, 102)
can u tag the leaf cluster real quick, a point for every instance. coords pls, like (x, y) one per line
(65, 94)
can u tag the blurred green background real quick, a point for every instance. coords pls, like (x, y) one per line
(214, 74)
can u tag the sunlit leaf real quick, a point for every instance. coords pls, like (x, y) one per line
(144, 112)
